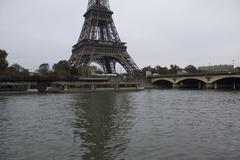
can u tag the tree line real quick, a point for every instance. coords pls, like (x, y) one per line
(58, 70)
(13, 70)
(174, 69)
(63, 70)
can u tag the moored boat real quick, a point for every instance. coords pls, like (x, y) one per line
(73, 87)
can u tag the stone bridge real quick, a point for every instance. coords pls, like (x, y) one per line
(220, 80)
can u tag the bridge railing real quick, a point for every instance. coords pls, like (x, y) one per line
(195, 74)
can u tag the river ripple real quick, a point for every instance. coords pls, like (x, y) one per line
(152, 125)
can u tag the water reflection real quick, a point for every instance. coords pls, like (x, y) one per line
(102, 123)
(4, 125)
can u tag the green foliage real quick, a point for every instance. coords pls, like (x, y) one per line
(148, 68)
(73, 71)
(17, 70)
(161, 70)
(174, 69)
(87, 71)
(61, 68)
(191, 69)
(3, 61)
(139, 74)
(43, 68)
(14, 70)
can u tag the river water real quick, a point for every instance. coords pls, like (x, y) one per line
(146, 125)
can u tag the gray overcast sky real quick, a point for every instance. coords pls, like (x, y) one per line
(161, 32)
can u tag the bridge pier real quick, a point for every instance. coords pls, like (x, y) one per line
(215, 85)
(175, 86)
(65, 87)
(201, 85)
(209, 86)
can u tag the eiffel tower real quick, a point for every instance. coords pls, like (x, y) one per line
(99, 41)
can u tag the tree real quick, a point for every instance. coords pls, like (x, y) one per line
(174, 69)
(61, 68)
(86, 71)
(145, 69)
(25, 72)
(148, 68)
(161, 70)
(73, 71)
(16, 68)
(43, 69)
(138, 74)
(190, 69)
(3, 61)
(93, 69)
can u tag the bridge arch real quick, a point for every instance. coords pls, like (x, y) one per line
(229, 82)
(171, 80)
(217, 78)
(202, 79)
(191, 83)
(163, 83)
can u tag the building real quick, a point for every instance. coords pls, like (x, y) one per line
(217, 68)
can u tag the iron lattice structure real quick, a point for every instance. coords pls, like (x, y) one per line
(99, 41)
